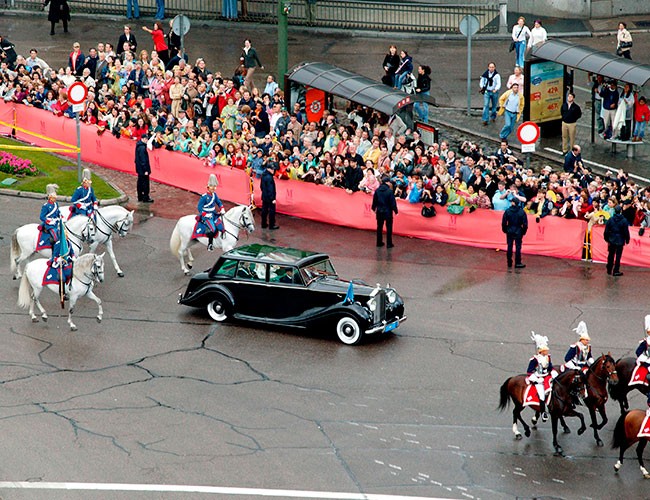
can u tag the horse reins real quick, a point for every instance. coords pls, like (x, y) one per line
(238, 225)
(113, 227)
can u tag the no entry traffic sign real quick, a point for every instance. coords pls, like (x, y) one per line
(528, 133)
(77, 93)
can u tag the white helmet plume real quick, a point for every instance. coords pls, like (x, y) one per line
(581, 330)
(540, 341)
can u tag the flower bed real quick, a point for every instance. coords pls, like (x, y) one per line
(13, 165)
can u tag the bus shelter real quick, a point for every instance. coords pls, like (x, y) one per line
(549, 76)
(315, 84)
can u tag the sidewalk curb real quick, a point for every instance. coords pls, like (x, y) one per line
(123, 198)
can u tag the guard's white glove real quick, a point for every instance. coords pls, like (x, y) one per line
(208, 216)
(222, 211)
(50, 222)
(553, 374)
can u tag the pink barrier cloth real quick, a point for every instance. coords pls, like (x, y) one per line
(552, 236)
(168, 167)
(636, 253)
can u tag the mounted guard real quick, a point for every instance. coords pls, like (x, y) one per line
(540, 371)
(208, 221)
(84, 201)
(59, 267)
(579, 356)
(640, 375)
(50, 218)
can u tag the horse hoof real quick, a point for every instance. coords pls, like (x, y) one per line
(581, 432)
(189, 264)
(186, 273)
(566, 430)
(73, 328)
(45, 318)
(120, 274)
(534, 427)
(617, 467)
(559, 452)
(518, 437)
(13, 278)
(599, 443)
(99, 320)
(646, 476)
(34, 319)
(527, 432)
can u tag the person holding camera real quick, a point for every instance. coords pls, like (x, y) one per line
(573, 160)
(490, 84)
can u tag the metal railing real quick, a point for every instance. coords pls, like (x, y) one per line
(386, 16)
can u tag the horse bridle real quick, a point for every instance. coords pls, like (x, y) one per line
(241, 224)
(93, 276)
(118, 227)
(80, 237)
(609, 374)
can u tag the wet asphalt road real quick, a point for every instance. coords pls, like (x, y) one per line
(158, 394)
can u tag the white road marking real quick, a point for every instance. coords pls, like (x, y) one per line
(214, 490)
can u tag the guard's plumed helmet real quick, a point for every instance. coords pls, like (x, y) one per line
(581, 330)
(540, 341)
(85, 175)
(212, 181)
(50, 189)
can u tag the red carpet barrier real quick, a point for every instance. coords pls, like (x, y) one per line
(552, 237)
(636, 253)
(106, 150)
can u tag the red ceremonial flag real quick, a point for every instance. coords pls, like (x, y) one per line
(314, 104)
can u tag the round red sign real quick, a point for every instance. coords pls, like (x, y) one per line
(528, 133)
(77, 93)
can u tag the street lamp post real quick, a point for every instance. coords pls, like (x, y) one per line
(284, 7)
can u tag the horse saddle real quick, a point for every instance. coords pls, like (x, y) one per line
(530, 394)
(201, 229)
(44, 239)
(639, 375)
(51, 276)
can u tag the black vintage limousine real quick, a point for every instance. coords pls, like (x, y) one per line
(294, 288)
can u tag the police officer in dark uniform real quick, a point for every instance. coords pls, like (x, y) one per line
(384, 205)
(617, 235)
(143, 169)
(267, 184)
(514, 224)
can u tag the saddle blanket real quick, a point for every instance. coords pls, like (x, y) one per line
(44, 239)
(51, 276)
(530, 394)
(639, 375)
(201, 229)
(644, 430)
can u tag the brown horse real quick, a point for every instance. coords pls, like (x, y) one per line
(602, 370)
(625, 435)
(565, 390)
(619, 391)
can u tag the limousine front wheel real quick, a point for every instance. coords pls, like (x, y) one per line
(348, 330)
(218, 309)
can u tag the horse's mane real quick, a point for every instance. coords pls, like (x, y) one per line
(85, 259)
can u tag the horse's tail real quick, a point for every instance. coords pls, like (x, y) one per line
(175, 240)
(24, 292)
(15, 251)
(619, 439)
(504, 400)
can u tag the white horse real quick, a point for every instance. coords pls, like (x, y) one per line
(111, 220)
(239, 217)
(79, 229)
(88, 269)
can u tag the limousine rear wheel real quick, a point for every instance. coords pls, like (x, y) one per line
(349, 331)
(218, 309)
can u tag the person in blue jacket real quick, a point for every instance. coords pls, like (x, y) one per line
(83, 199)
(210, 210)
(50, 214)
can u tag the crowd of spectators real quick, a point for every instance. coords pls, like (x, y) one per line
(196, 110)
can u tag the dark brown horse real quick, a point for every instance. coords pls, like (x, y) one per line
(619, 391)
(597, 376)
(565, 391)
(625, 435)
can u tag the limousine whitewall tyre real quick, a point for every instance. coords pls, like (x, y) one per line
(348, 330)
(218, 309)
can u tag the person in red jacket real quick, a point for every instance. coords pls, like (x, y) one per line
(641, 118)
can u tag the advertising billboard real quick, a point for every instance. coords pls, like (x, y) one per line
(546, 84)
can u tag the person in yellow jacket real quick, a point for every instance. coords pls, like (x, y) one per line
(511, 103)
